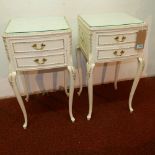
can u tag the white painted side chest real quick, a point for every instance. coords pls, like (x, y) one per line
(111, 37)
(38, 44)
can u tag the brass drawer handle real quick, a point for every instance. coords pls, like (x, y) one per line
(119, 53)
(37, 47)
(40, 62)
(120, 39)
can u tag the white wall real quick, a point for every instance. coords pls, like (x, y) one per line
(71, 8)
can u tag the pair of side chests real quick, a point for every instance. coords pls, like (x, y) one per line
(46, 43)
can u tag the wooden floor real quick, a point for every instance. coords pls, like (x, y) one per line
(111, 131)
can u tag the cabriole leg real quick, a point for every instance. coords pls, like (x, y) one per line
(71, 91)
(116, 74)
(136, 80)
(12, 80)
(90, 68)
(79, 68)
(25, 81)
(66, 82)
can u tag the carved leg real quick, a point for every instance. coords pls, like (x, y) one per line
(12, 80)
(65, 83)
(71, 91)
(78, 57)
(116, 74)
(90, 68)
(136, 80)
(25, 82)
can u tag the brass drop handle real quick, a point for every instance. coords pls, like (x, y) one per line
(119, 53)
(120, 39)
(123, 38)
(40, 61)
(37, 47)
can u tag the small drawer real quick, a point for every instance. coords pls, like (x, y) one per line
(29, 46)
(39, 54)
(116, 46)
(105, 39)
(51, 60)
(118, 53)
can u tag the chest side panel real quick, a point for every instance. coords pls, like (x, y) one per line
(85, 38)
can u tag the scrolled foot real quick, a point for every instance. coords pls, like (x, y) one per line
(88, 117)
(130, 107)
(25, 125)
(131, 110)
(72, 119)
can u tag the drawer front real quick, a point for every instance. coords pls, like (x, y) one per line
(116, 46)
(51, 60)
(118, 53)
(105, 39)
(40, 53)
(29, 46)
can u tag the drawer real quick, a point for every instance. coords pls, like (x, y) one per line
(49, 60)
(105, 39)
(39, 53)
(116, 46)
(29, 46)
(117, 53)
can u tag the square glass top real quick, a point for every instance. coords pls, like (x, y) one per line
(36, 24)
(110, 19)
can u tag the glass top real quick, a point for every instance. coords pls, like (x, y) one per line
(36, 24)
(110, 19)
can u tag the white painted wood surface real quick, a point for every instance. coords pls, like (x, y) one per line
(36, 24)
(38, 44)
(110, 38)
